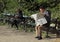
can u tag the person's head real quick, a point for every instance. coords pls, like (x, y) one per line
(41, 9)
(19, 11)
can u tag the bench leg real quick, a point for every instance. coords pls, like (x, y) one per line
(47, 32)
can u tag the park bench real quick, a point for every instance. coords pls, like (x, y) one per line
(1, 20)
(53, 26)
(29, 22)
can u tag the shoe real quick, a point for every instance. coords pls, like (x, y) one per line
(39, 38)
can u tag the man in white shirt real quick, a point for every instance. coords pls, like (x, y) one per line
(40, 21)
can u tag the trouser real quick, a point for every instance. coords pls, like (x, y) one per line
(15, 25)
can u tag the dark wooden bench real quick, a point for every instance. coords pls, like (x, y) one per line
(27, 21)
(47, 27)
(52, 28)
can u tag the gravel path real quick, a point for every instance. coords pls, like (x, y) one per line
(12, 35)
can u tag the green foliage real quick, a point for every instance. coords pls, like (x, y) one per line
(29, 6)
(9, 5)
(1, 6)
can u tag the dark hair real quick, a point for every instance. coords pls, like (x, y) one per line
(42, 7)
(19, 11)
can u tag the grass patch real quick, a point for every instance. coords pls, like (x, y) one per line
(2, 23)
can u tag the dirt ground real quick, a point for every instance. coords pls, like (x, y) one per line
(8, 34)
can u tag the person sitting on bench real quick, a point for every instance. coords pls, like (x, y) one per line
(40, 18)
(20, 14)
